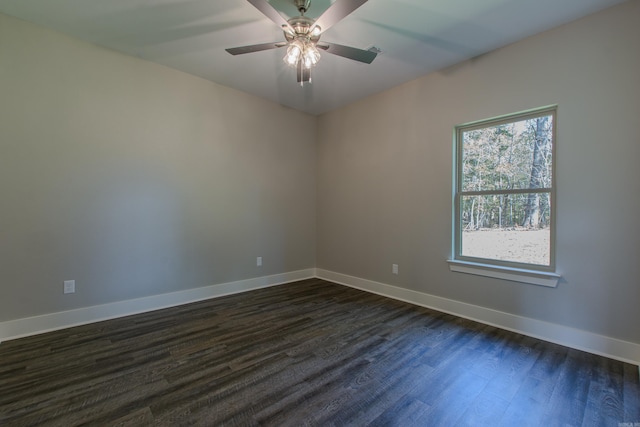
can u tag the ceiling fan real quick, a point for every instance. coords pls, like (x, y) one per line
(302, 35)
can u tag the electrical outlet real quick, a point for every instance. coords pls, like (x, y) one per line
(394, 268)
(259, 261)
(69, 286)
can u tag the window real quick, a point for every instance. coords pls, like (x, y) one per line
(505, 193)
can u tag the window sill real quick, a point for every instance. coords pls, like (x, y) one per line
(533, 277)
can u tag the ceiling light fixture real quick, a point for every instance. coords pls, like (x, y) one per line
(302, 35)
(302, 54)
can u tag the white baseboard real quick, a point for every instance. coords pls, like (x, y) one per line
(50, 322)
(575, 338)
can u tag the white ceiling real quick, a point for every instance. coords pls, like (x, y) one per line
(416, 37)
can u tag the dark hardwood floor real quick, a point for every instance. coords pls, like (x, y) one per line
(307, 353)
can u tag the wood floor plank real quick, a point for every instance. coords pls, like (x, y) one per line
(569, 399)
(486, 410)
(405, 412)
(455, 398)
(307, 353)
(631, 393)
(605, 399)
(516, 362)
(140, 418)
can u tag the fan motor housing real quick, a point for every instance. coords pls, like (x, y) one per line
(302, 27)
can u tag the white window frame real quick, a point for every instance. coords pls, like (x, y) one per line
(520, 272)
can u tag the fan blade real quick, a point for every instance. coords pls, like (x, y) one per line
(360, 55)
(271, 13)
(337, 11)
(304, 74)
(254, 48)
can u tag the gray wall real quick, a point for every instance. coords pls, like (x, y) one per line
(385, 174)
(135, 179)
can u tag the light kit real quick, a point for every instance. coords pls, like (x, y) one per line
(302, 35)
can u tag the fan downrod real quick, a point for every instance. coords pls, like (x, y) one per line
(303, 6)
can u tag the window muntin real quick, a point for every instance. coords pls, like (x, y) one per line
(504, 198)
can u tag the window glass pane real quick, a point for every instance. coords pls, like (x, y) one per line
(507, 227)
(514, 155)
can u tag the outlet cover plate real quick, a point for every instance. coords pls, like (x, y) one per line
(69, 286)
